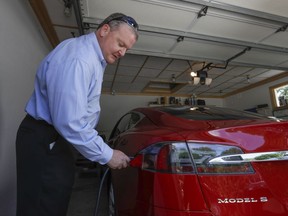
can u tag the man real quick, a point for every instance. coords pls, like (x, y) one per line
(63, 112)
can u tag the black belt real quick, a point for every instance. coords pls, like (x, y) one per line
(43, 125)
(42, 122)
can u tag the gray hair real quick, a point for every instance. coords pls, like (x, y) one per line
(115, 24)
(114, 21)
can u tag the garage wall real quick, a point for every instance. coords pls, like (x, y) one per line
(253, 97)
(21, 49)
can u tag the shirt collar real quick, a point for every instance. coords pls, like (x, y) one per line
(98, 50)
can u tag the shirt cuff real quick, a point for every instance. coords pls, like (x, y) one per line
(106, 155)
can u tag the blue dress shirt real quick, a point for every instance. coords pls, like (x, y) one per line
(67, 92)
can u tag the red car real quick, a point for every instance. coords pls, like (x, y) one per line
(200, 161)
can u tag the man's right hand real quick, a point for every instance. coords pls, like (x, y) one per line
(119, 160)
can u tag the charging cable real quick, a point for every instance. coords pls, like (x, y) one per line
(101, 187)
(100, 190)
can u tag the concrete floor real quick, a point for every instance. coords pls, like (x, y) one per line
(85, 192)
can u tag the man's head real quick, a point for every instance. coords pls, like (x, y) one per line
(116, 34)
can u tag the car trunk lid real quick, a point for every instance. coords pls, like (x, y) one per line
(240, 190)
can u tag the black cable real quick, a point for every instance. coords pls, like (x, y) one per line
(100, 190)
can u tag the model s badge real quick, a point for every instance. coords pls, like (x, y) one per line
(242, 200)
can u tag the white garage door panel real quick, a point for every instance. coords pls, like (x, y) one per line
(154, 43)
(258, 57)
(233, 29)
(277, 7)
(161, 13)
(279, 39)
(197, 49)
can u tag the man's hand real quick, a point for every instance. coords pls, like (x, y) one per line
(119, 160)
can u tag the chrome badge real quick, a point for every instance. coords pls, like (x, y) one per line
(242, 200)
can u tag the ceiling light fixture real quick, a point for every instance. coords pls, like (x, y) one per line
(193, 74)
(173, 78)
(195, 79)
(200, 77)
(248, 78)
(204, 79)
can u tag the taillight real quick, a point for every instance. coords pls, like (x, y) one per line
(181, 157)
(165, 157)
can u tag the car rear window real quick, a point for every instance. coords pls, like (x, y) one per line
(210, 113)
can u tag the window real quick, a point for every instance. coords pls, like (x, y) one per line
(121, 125)
(279, 95)
(126, 122)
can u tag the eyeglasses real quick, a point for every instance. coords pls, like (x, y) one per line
(128, 20)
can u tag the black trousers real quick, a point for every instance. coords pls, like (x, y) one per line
(44, 176)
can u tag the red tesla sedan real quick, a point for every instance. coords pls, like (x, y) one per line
(200, 161)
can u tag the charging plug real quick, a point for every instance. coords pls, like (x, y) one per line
(136, 161)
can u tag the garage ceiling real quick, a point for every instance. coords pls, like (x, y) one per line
(241, 44)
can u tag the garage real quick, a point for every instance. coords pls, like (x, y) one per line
(229, 54)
